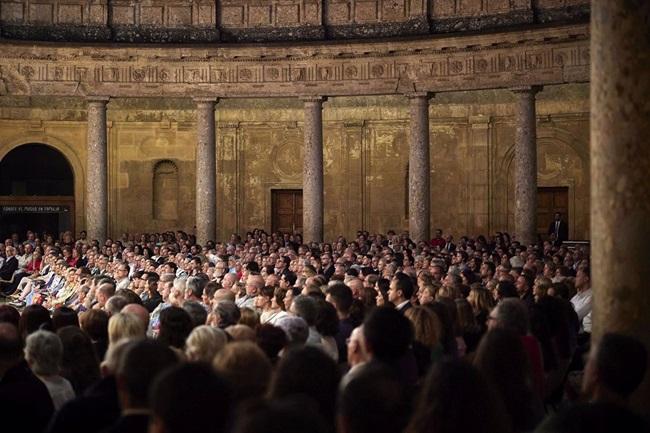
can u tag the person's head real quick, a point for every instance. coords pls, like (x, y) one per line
(9, 314)
(197, 312)
(583, 279)
(401, 288)
(426, 325)
(64, 316)
(227, 314)
(309, 371)
(44, 353)
(457, 398)
(195, 287)
(254, 284)
(502, 359)
(139, 311)
(33, 318)
(340, 296)
(249, 317)
(271, 339)
(115, 304)
(123, 325)
(175, 326)
(305, 307)
(374, 401)
(80, 364)
(288, 415)
(296, 329)
(246, 367)
(388, 334)
(511, 314)
(615, 368)
(11, 347)
(140, 363)
(95, 323)
(191, 388)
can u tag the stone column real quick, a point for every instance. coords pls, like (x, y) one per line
(312, 170)
(620, 163)
(97, 170)
(525, 166)
(419, 168)
(206, 170)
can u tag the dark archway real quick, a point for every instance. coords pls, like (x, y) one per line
(36, 191)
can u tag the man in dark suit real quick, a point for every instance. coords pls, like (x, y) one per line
(558, 230)
(7, 271)
(400, 292)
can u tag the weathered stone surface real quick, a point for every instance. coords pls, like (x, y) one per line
(269, 20)
(525, 165)
(206, 170)
(97, 166)
(620, 163)
(312, 172)
(419, 171)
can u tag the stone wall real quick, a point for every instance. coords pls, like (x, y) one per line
(365, 157)
(268, 20)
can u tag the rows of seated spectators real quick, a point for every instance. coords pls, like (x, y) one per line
(155, 333)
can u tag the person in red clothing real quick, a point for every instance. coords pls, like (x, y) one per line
(438, 241)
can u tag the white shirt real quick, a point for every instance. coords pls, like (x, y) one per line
(582, 304)
(586, 323)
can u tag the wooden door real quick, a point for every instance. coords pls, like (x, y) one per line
(549, 201)
(286, 210)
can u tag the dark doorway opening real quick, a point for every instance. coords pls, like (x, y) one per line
(36, 191)
(286, 213)
(549, 201)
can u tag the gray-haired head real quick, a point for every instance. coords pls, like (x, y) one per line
(44, 352)
(305, 307)
(228, 312)
(295, 328)
(512, 314)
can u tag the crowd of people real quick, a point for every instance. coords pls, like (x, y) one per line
(265, 333)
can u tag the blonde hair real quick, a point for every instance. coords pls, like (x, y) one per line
(124, 325)
(426, 325)
(204, 342)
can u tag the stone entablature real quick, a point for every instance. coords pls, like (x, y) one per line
(471, 62)
(268, 20)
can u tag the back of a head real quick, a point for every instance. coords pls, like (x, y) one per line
(125, 325)
(64, 316)
(197, 312)
(388, 334)
(115, 304)
(190, 389)
(175, 326)
(375, 401)
(512, 314)
(139, 365)
(11, 345)
(308, 370)
(95, 323)
(307, 308)
(228, 312)
(80, 364)
(288, 415)
(204, 342)
(33, 318)
(271, 339)
(621, 362)
(341, 296)
(295, 328)
(9, 314)
(457, 398)
(246, 367)
(44, 352)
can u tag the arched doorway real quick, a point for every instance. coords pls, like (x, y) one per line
(36, 191)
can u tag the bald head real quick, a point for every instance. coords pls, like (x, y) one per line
(254, 284)
(139, 311)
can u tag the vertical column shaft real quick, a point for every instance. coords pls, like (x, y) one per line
(206, 170)
(97, 169)
(620, 163)
(525, 166)
(419, 168)
(312, 173)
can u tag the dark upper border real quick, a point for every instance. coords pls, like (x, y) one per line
(418, 25)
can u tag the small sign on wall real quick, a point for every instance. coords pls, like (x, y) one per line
(34, 209)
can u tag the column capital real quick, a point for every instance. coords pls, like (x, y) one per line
(206, 100)
(98, 99)
(526, 89)
(320, 99)
(418, 95)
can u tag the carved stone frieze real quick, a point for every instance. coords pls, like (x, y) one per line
(531, 57)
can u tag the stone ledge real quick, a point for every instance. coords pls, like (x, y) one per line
(459, 24)
(164, 35)
(272, 34)
(60, 32)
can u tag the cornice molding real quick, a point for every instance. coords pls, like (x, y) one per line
(433, 64)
